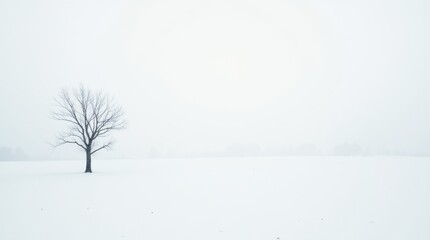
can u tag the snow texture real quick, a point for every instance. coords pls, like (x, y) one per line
(234, 198)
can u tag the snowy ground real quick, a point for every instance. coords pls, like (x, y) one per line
(238, 198)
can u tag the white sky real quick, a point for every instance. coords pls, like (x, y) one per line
(198, 76)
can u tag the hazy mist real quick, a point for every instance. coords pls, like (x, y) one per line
(221, 78)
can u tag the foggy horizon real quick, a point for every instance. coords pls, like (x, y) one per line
(221, 119)
(224, 78)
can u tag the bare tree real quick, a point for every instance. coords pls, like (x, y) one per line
(91, 117)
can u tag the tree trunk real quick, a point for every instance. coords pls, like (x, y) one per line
(88, 167)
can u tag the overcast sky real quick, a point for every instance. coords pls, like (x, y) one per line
(199, 76)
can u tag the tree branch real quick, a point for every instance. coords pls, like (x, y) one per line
(90, 115)
(106, 146)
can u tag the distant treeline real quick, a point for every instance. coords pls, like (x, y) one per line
(253, 149)
(9, 154)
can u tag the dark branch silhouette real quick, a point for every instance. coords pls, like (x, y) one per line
(90, 117)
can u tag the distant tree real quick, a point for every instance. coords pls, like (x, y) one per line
(90, 117)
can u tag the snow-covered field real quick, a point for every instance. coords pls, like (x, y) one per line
(233, 198)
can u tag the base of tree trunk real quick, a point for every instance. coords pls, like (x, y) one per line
(88, 162)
